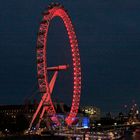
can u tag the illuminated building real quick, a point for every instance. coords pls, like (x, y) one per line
(85, 122)
(91, 111)
(29, 109)
(13, 110)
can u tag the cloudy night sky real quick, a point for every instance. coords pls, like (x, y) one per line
(108, 33)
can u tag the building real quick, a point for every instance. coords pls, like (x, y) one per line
(14, 110)
(91, 111)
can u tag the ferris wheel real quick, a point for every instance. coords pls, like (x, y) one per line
(46, 88)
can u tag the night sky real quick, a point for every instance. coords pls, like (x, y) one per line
(108, 32)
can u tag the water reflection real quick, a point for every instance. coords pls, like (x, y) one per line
(127, 137)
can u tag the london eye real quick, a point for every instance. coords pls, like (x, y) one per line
(46, 88)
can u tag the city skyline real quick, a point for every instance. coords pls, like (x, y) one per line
(108, 35)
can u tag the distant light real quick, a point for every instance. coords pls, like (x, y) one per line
(86, 127)
(115, 124)
(99, 124)
(125, 106)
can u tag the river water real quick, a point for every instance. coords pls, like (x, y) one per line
(127, 137)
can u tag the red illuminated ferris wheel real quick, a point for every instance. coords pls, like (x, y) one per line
(46, 88)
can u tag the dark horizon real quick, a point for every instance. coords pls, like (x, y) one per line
(109, 41)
